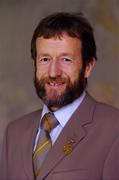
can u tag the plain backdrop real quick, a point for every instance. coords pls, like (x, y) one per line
(18, 18)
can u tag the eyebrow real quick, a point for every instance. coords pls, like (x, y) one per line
(48, 55)
(43, 54)
(66, 54)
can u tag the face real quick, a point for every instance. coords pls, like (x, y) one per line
(59, 74)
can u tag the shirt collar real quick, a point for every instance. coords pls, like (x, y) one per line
(64, 114)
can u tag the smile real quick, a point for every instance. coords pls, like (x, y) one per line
(56, 85)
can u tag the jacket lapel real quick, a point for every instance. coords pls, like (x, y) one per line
(72, 134)
(28, 143)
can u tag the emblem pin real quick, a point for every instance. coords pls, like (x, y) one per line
(68, 148)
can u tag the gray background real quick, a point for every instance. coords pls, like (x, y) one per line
(17, 22)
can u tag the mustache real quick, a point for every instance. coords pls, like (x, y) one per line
(49, 80)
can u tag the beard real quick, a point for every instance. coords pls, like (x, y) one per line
(58, 100)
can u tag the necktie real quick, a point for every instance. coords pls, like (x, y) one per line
(44, 144)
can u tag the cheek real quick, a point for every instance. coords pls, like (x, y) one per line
(74, 70)
(73, 74)
(40, 72)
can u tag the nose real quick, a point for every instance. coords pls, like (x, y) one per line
(54, 69)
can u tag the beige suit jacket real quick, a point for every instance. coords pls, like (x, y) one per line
(87, 148)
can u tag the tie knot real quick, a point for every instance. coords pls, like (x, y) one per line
(49, 122)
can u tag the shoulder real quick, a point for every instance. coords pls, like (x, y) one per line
(106, 116)
(103, 108)
(25, 122)
(104, 119)
(103, 113)
(107, 111)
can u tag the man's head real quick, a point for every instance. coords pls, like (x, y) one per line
(64, 53)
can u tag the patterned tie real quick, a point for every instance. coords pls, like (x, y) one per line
(44, 142)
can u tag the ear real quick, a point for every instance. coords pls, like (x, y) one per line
(89, 68)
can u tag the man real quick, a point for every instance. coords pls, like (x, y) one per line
(84, 144)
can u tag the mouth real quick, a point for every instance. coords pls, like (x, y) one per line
(55, 85)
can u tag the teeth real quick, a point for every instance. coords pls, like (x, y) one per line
(54, 84)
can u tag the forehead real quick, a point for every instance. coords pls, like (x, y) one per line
(61, 43)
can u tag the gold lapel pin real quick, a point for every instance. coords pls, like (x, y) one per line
(68, 148)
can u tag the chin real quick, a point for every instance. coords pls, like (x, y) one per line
(52, 94)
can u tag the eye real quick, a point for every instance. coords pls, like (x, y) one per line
(44, 60)
(67, 60)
